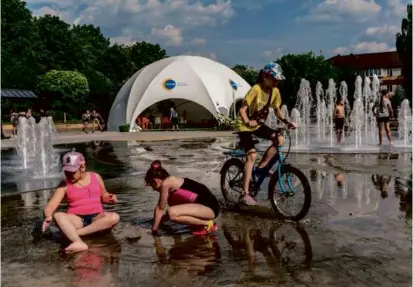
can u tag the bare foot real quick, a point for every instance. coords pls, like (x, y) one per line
(76, 247)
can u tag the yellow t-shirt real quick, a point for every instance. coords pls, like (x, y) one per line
(256, 100)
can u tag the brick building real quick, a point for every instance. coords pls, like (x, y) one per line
(386, 65)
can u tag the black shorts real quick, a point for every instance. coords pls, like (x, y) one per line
(174, 121)
(339, 123)
(263, 132)
(384, 120)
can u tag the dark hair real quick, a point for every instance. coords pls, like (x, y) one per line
(260, 77)
(383, 93)
(339, 99)
(156, 171)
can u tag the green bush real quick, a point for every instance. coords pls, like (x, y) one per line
(124, 128)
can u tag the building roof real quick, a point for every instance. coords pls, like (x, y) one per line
(211, 85)
(392, 80)
(383, 60)
(17, 94)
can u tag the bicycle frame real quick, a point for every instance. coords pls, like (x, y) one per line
(258, 177)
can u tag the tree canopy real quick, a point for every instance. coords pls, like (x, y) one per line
(404, 49)
(34, 46)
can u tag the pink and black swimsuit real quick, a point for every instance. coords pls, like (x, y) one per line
(194, 192)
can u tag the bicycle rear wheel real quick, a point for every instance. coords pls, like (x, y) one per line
(291, 180)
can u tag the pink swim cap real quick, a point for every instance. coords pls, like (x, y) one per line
(72, 161)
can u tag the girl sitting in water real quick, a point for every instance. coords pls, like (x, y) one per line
(84, 192)
(184, 200)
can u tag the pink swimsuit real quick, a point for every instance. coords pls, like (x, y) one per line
(84, 200)
(181, 196)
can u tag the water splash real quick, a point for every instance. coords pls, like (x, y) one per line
(304, 104)
(320, 112)
(405, 122)
(35, 148)
(331, 99)
(296, 118)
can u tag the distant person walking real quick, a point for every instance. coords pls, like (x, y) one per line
(339, 120)
(174, 119)
(97, 120)
(383, 112)
(85, 119)
(14, 118)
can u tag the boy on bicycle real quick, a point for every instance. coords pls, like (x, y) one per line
(253, 112)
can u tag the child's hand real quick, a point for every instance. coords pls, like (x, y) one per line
(292, 125)
(113, 198)
(46, 223)
(252, 123)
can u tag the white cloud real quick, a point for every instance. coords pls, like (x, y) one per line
(340, 50)
(169, 32)
(272, 54)
(183, 13)
(340, 10)
(398, 7)
(45, 10)
(209, 55)
(385, 31)
(364, 47)
(126, 40)
(142, 16)
(198, 42)
(254, 5)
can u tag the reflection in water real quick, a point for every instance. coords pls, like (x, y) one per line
(287, 245)
(381, 182)
(404, 191)
(98, 265)
(35, 198)
(196, 255)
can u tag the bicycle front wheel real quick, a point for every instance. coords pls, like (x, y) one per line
(290, 193)
(232, 175)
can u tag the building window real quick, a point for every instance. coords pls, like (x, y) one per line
(389, 88)
(389, 72)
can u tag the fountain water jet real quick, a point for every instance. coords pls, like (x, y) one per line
(405, 122)
(304, 104)
(35, 148)
(331, 99)
(321, 112)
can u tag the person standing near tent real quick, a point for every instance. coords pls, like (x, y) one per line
(174, 119)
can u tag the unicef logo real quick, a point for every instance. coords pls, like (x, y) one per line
(233, 85)
(169, 84)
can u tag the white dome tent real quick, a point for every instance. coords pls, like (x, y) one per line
(209, 86)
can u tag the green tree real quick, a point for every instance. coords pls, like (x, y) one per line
(55, 46)
(404, 49)
(117, 65)
(18, 61)
(63, 90)
(143, 54)
(398, 97)
(247, 73)
(308, 66)
(90, 45)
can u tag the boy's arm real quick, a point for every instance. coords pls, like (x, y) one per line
(249, 98)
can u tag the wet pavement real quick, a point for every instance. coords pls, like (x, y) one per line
(357, 232)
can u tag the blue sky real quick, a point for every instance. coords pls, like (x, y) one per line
(249, 32)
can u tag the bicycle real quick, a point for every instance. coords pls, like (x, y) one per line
(288, 190)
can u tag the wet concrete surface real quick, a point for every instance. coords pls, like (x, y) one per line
(357, 232)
